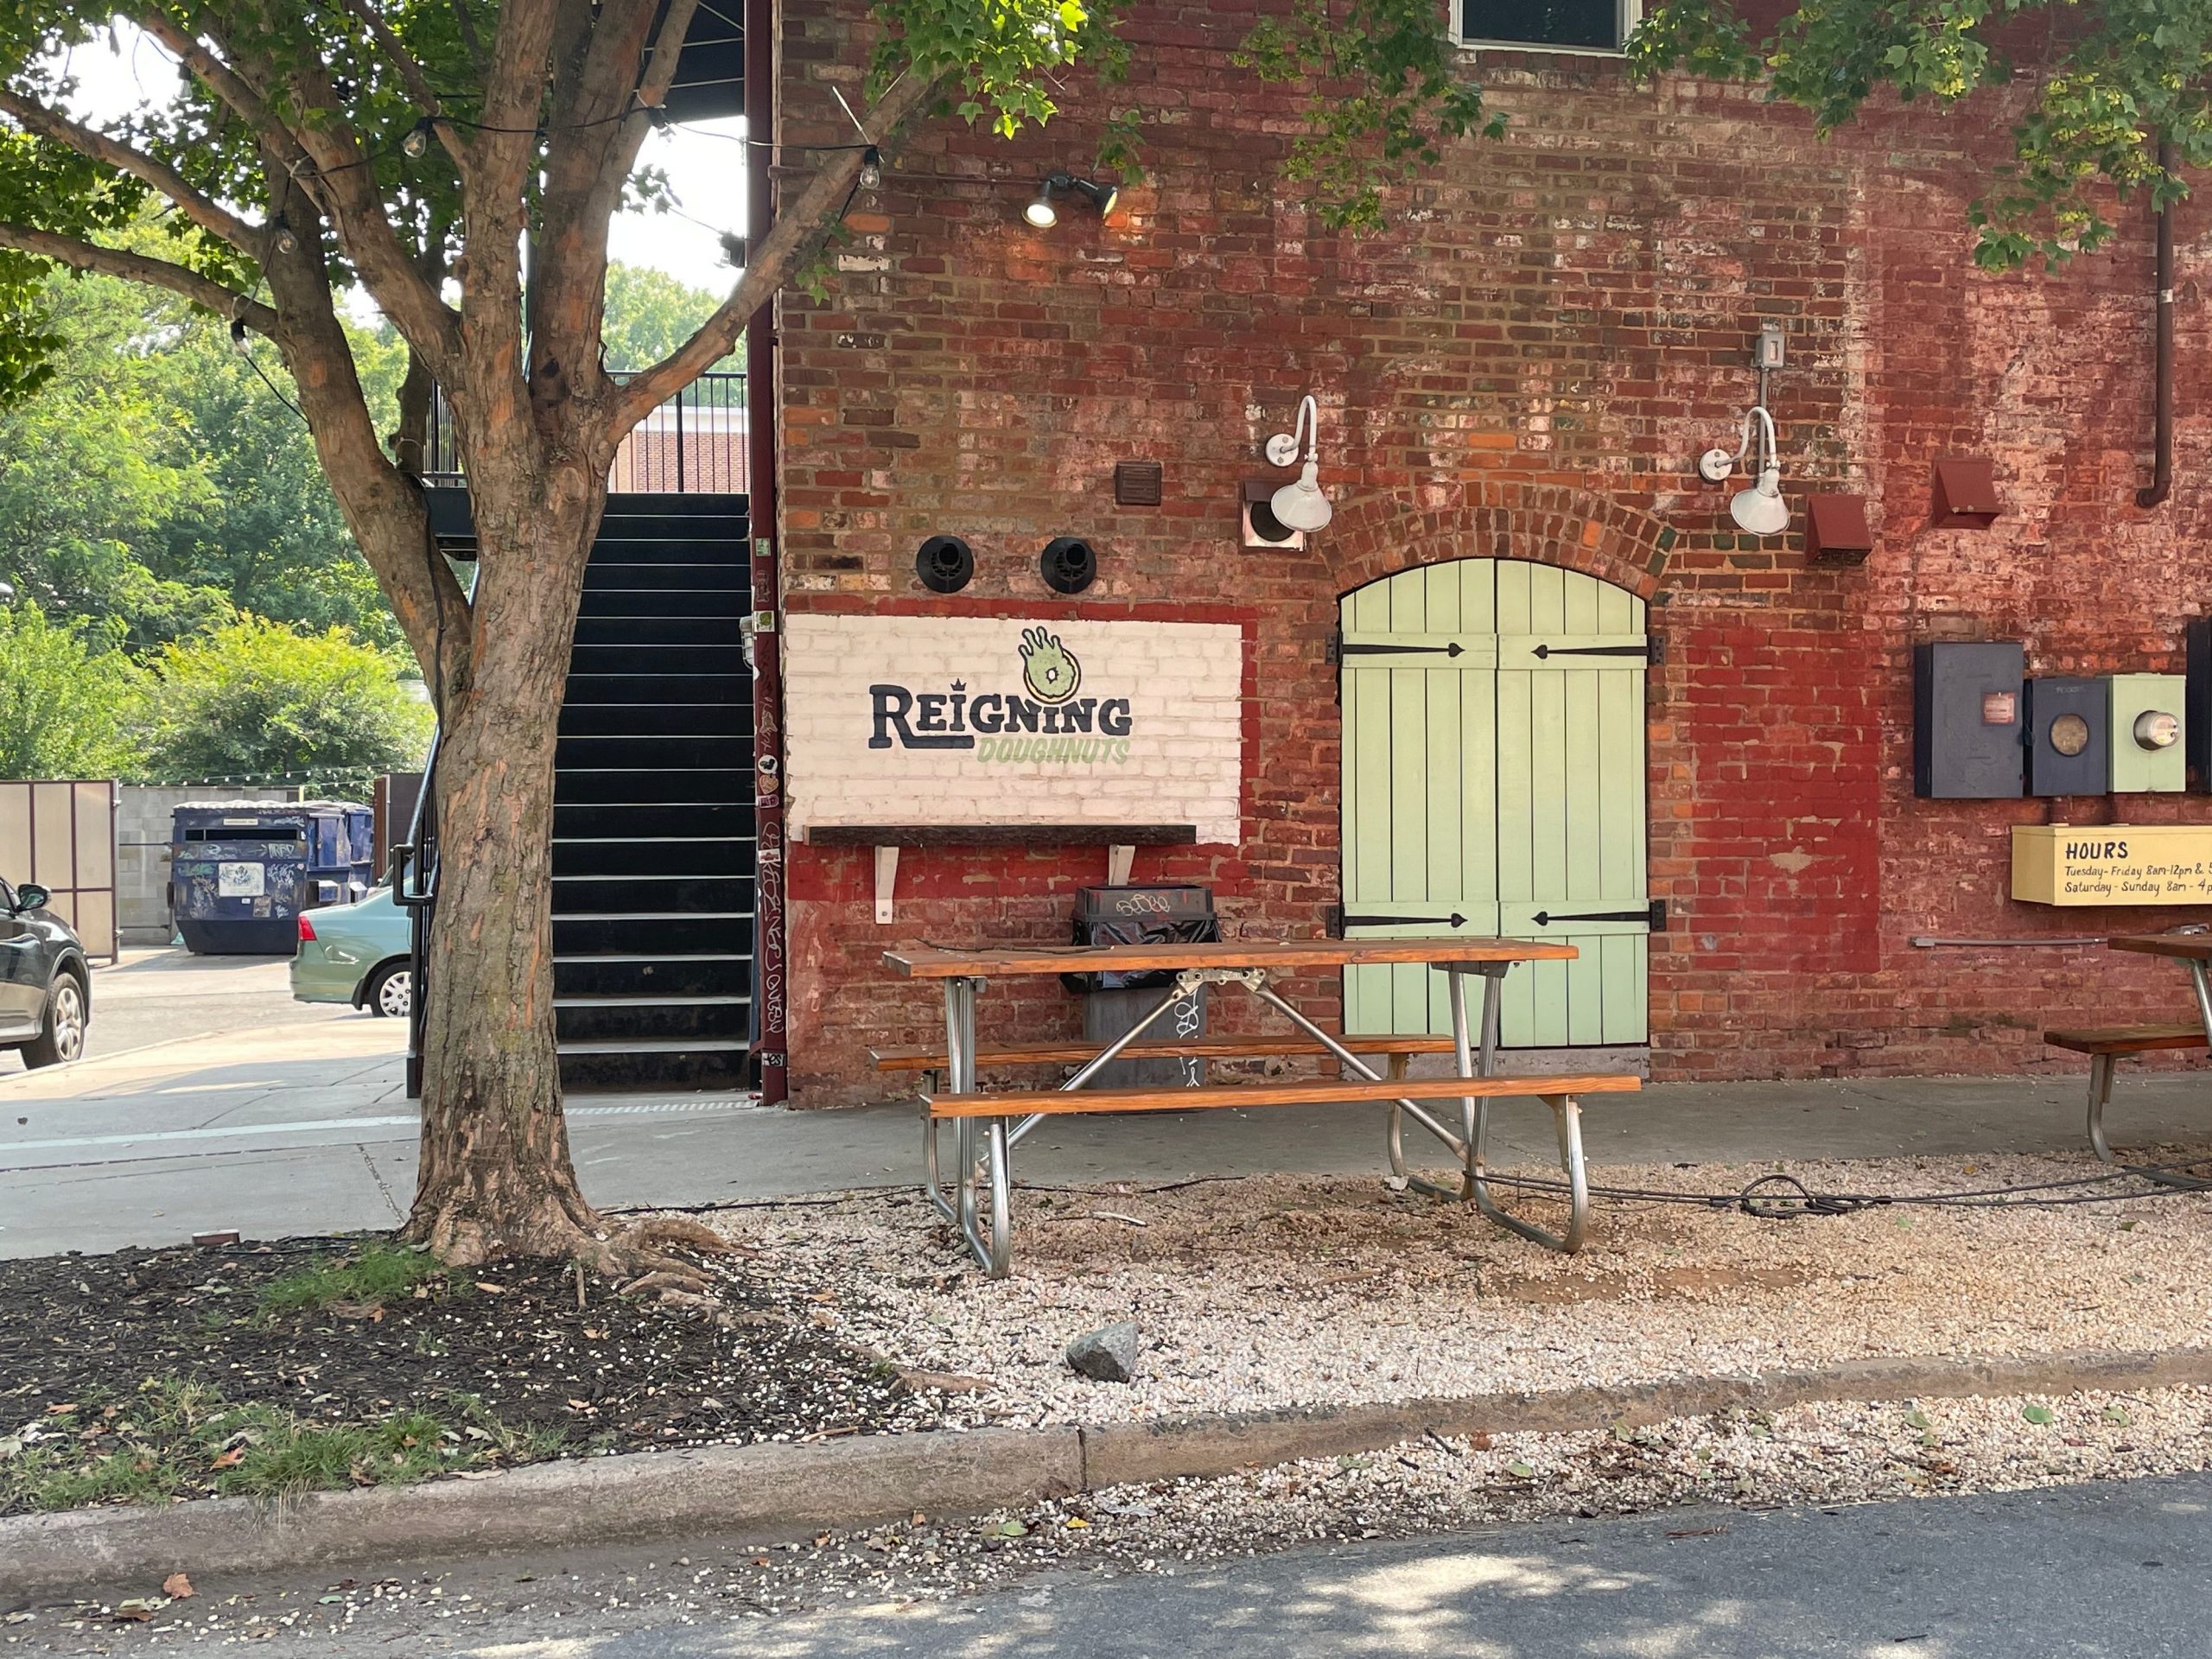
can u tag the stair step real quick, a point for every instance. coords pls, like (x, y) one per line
(700, 785)
(659, 719)
(715, 1068)
(661, 935)
(673, 599)
(659, 633)
(725, 753)
(617, 821)
(619, 1021)
(640, 658)
(587, 689)
(652, 895)
(714, 855)
(728, 974)
(656, 1046)
(638, 542)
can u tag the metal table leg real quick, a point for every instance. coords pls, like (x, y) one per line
(2099, 1097)
(1566, 1113)
(1474, 1118)
(982, 1178)
(2100, 1093)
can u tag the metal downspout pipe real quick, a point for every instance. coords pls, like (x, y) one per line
(2161, 473)
(768, 930)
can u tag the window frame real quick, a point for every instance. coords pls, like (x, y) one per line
(1629, 12)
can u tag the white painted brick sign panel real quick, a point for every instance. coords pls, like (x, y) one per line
(947, 720)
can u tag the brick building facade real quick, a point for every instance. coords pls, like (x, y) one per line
(1524, 367)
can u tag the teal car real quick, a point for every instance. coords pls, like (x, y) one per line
(356, 954)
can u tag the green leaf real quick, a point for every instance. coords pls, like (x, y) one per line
(2117, 1414)
(1517, 1467)
(2037, 1415)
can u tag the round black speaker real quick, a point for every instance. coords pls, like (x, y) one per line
(944, 564)
(1070, 564)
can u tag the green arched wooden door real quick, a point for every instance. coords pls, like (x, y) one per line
(1494, 784)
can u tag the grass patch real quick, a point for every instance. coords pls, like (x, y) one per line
(379, 1274)
(181, 1439)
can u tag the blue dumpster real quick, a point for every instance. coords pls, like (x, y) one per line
(241, 871)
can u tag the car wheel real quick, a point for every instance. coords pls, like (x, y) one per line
(61, 1039)
(391, 994)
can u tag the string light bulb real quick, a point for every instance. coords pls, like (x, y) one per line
(286, 241)
(871, 169)
(416, 144)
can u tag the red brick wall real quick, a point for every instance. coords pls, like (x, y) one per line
(1526, 366)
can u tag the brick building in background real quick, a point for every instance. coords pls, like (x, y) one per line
(1514, 382)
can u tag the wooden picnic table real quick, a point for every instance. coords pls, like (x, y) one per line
(2105, 1045)
(987, 1127)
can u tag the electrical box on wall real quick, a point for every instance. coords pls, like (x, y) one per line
(2148, 753)
(2196, 705)
(2069, 736)
(1967, 720)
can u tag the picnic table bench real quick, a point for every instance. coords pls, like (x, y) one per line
(987, 1126)
(2108, 1044)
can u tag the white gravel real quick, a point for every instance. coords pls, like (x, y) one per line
(1279, 1291)
(1823, 1455)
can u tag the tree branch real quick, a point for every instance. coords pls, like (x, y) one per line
(138, 268)
(224, 82)
(382, 506)
(801, 228)
(330, 168)
(412, 74)
(587, 164)
(210, 216)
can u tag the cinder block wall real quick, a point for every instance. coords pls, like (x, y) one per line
(1525, 366)
(142, 832)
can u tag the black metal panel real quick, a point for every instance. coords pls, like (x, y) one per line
(2196, 705)
(2051, 771)
(710, 76)
(1967, 720)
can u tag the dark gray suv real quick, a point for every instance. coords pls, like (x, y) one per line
(46, 986)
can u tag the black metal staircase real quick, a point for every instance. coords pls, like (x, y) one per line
(653, 819)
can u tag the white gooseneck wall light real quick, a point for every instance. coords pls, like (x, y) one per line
(1760, 510)
(1300, 504)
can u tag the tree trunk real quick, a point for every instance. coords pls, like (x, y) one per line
(496, 1176)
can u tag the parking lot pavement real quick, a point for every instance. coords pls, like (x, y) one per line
(151, 997)
(217, 1101)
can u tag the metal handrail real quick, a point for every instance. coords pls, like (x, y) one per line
(417, 858)
(693, 444)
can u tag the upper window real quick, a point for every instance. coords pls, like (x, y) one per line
(1568, 25)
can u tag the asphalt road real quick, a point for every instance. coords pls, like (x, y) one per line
(2116, 1569)
(156, 996)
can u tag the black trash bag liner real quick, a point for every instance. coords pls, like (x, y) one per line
(1140, 915)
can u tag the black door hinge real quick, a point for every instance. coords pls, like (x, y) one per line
(1654, 915)
(1653, 650)
(1344, 921)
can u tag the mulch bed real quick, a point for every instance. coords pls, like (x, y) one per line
(616, 1373)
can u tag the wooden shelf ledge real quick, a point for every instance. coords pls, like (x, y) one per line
(1121, 841)
(1003, 835)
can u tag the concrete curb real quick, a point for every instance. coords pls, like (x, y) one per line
(777, 1490)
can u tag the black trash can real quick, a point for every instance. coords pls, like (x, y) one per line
(1114, 1003)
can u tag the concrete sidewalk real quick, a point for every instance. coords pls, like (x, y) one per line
(306, 1129)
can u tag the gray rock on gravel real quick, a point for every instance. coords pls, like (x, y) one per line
(1108, 1354)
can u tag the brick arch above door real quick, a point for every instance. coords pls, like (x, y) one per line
(1545, 524)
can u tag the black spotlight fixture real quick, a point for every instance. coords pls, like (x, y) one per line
(1041, 213)
(944, 564)
(1070, 564)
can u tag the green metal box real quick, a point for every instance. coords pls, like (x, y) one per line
(2148, 754)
